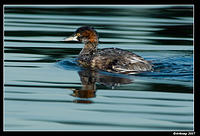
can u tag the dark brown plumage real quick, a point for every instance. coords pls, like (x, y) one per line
(107, 59)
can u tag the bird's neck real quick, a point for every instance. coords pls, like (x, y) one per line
(89, 49)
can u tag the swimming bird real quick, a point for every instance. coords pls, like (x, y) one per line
(113, 60)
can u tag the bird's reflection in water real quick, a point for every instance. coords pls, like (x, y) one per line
(88, 89)
(89, 78)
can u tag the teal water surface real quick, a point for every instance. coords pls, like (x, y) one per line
(44, 88)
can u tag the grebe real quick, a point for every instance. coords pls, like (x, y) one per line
(108, 59)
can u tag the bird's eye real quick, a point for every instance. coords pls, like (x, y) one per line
(78, 34)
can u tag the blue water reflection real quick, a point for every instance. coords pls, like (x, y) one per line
(44, 88)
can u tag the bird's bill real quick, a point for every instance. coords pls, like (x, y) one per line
(71, 38)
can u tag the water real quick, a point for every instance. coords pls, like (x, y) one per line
(44, 89)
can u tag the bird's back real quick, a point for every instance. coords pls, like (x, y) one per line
(119, 61)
